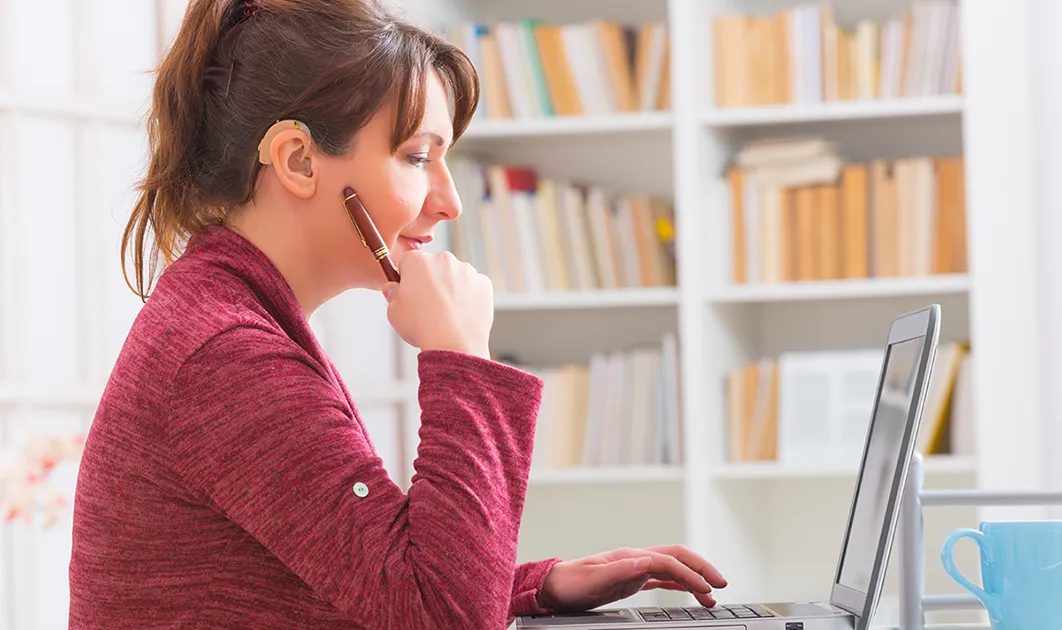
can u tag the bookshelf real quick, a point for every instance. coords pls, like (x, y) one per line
(880, 288)
(881, 109)
(753, 471)
(570, 125)
(588, 299)
(607, 475)
(772, 528)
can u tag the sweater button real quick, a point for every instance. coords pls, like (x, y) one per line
(361, 489)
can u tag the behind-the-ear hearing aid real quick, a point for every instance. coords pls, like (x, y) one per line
(281, 125)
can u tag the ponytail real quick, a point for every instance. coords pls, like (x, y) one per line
(237, 66)
(168, 203)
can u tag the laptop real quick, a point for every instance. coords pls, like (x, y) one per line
(865, 547)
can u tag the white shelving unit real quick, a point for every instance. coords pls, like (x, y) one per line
(773, 529)
(570, 126)
(882, 288)
(607, 475)
(890, 109)
(753, 471)
(574, 300)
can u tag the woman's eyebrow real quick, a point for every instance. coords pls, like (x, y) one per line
(436, 138)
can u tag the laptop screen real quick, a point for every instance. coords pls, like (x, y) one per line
(884, 446)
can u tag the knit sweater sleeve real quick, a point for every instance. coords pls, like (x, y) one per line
(258, 429)
(528, 583)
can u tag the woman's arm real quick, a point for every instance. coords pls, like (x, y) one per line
(266, 436)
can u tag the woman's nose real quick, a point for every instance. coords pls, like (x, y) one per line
(443, 201)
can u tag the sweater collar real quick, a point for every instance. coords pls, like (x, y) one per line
(220, 247)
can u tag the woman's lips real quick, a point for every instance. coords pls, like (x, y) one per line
(415, 242)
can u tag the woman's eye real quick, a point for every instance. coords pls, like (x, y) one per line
(418, 160)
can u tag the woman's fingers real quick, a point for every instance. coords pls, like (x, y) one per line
(677, 565)
(698, 564)
(667, 585)
(667, 567)
(704, 599)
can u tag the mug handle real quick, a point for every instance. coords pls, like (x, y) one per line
(947, 554)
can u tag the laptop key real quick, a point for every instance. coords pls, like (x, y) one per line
(723, 613)
(760, 610)
(653, 613)
(677, 613)
(699, 613)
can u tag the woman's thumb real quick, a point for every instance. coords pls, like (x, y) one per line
(388, 289)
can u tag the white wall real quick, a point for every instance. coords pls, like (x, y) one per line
(1046, 71)
(66, 164)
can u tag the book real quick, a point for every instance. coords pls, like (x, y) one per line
(817, 405)
(531, 68)
(799, 212)
(801, 55)
(532, 234)
(620, 408)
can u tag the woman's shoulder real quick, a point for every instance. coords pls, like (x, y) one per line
(182, 322)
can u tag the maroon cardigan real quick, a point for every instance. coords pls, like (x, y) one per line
(228, 481)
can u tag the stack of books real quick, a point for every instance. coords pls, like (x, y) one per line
(532, 234)
(799, 212)
(620, 409)
(532, 69)
(801, 56)
(772, 417)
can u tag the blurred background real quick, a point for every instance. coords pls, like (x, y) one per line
(689, 208)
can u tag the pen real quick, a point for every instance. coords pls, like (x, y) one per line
(370, 236)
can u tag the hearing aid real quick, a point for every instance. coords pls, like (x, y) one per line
(279, 126)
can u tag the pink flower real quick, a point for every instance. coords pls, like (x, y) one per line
(24, 489)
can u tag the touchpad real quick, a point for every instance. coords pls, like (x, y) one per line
(578, 619)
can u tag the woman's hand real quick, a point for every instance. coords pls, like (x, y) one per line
(601, 579)
(441, 304)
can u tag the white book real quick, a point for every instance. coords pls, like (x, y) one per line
(825, 403)
(523, 208)
(657, 47)
(510, 47)
(670, 432)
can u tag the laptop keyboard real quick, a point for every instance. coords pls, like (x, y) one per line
(734, 611)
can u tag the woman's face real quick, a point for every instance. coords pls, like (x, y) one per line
(407, 192)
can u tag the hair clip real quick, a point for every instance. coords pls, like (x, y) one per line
(263, 146)
(250, 9)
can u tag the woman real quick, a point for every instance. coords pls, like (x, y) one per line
(228, 481)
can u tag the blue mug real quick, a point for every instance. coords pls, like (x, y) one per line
(1021, 569)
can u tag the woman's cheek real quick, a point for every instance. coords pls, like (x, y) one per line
(411, 198)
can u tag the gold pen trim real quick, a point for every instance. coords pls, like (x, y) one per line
(350, 216)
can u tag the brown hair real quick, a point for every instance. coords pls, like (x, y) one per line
(238, 66)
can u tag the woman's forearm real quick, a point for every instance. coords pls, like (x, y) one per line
(467, 495)
(261, 431)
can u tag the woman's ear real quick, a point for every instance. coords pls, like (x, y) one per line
(292, 159)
